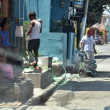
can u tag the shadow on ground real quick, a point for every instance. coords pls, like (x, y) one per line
(100, 83)
(107, 108)
(102, 56)
(102, 74)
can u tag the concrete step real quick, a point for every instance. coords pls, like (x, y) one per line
(42, 95)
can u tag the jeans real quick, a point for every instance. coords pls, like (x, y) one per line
(34, 45)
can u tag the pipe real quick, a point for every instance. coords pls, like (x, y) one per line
(23, 11)
(15, 19)
(19, 22)
(24, 42)
(65, 50)
(84, 19)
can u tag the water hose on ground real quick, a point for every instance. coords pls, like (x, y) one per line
(53, 77)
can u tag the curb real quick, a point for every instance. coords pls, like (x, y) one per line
(63, 95)
(61, 98)
(45, 95)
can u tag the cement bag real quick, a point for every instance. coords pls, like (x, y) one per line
(6, 71)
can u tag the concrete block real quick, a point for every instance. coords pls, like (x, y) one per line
(40, 80)
(34, 77)
(58, 69)
(12, 92)
(17, 71)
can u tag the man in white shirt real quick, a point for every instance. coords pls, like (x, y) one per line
(89, 46)
(34, 40)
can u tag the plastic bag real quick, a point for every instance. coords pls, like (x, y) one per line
(6, 71)
(55, 59)
(68, 75)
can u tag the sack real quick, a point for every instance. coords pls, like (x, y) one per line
(6, 71)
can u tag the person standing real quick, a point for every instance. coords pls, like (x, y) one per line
(34, 40)
(89, 46)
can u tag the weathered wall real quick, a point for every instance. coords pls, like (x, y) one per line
(56, 11)
(51, 43)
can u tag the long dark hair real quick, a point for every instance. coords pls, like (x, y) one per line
(4, 22)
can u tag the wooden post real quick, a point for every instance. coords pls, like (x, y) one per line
(6, 8)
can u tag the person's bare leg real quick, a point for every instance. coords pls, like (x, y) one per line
(33, 63)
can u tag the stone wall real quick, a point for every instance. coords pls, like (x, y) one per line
(12, 92)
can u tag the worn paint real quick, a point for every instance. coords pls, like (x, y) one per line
(56, 11)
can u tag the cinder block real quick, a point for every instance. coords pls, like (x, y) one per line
(40, 80)
(35, 77)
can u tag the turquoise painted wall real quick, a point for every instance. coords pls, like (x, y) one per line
(51, 43)
(56, 11)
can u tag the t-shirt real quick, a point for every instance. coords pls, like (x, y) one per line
(5, 38)
(88, 43)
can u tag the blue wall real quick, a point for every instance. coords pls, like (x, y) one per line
(51, 43)
(56, 11)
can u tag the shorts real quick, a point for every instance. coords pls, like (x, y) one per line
(4, 50)
(90, 55)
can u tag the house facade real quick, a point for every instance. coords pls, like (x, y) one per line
(55, 40)
(103, 26)
(53, 43)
